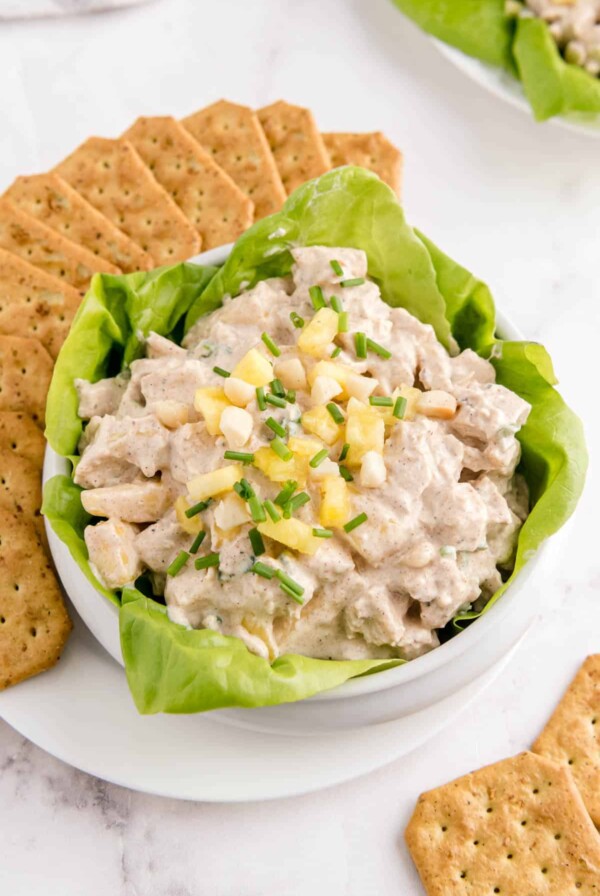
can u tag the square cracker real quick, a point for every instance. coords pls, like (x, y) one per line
(25, 374)
(113, 178)
(373, 151)
(46, 249)
(34, 623)
(206, 195)
(237, 142)
(515, 828)
(19, 434)
(33, 303)
(572, 736)
(55, 203)
(295, 142)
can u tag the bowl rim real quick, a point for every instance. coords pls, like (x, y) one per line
(373, 682)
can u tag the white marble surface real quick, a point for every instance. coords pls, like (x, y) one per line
(516, 202)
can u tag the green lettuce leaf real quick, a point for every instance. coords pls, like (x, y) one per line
(477, 27)
(173, 669)
(552, 86)
(481, 29)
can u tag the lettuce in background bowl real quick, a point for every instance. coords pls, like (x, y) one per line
(174, 669)
(523, 48)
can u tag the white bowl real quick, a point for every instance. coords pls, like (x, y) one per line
(370, 700)
(502, 84)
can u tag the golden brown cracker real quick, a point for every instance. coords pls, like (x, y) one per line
(295, 142)
(51, 200)
(572, 736)
(46, 249)
(33, 303)
(234, 137)
(21, 485)
(20, 435)
(206, 195)
(25, 374)
(372, 151)
(112, 177)
(517, 828)
(34, 623)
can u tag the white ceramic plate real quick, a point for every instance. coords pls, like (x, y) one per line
(82, 713)
(502, 84)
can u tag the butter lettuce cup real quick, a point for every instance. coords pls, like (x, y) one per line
(336, 550)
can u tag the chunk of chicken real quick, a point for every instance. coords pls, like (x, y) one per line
(161, 347)
(160, 543)
(121, 447)
(100, 398)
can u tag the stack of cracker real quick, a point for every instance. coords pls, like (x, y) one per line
(158, 194)
(523, 826)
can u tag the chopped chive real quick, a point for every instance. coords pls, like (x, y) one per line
(379, 349)
(337, 350)
(197, 542)
(360, 345)
(277, 388)
(270, 345)
(245, 457)
(221, 371)
(243, 489)
(322, 533)
(272, 510)
(335, 412)
(400, 407)
(287, 511)
(291, 593)
(290, 396)
(286, 492)
(355, 281)
(356, 522)
(381, 401)
(281, 449)
(297, 321)
(318, 458)
(258, 545)
(317, 298)
(291, 583)
(336, 268)
(346, 474)
(178, 563)
(344, 452)
(207, 561)
(260, 398)
(197, 508)
(275, 400)
(343, 322)
(276, 427)
(336, 304)
(298, 501)
(257, 511)
(263, 569)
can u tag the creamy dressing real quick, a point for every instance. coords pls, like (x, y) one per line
(442, 501)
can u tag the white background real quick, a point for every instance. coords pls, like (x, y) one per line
(516, 202)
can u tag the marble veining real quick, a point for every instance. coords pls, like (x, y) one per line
(517, 203)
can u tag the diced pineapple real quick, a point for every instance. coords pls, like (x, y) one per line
(191, 525)
(278, 470)
(365, 431)
(320, 422)
(239, 392)
(360, 387)
(236, 425)
(324, 389)
(306, 447)
(326, 468)
(291, 373)
(293, 533)
(134, 502)
(211, 402)
(207, 485)
(319, 333)
(373, 471)
(412, 396)
(436, 403)
(171, 413)
(337, 372)
(231, 512)
(336, 507)
(254, 368)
